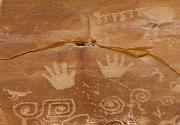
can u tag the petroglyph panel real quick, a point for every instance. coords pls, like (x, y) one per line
(85, 62)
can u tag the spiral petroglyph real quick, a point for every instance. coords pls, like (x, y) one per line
(140, 95)
(168, 100)
(89, 62)
(112, 105)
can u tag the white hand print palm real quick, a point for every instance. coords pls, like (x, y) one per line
(114, 69)
(60, 80)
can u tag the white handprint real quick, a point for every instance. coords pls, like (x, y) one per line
(60, 80)
(113, 68)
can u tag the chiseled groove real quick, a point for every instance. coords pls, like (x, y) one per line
(162, 61)
(127, 51)
(54, 45)
(146, 53)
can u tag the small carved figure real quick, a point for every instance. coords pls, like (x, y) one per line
(16, 94)
(158, 113)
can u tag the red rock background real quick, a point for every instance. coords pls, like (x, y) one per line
(102, 72)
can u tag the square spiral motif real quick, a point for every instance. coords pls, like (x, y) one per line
(60, 108)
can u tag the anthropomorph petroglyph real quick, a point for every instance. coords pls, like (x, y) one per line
(60, 80)
(114, 69)
(158, 113)
(14, 95)
(26, 111)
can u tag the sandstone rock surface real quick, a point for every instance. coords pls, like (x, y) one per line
(89, 62)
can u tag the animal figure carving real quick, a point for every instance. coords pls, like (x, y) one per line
(14, 95)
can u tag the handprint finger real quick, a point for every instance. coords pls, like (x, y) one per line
(108, 59)
(122, 60)
(115, 59)
(46, 76)
(56, 68)
(131, 64)
(73, 73)
(99, 63)
(49, 70)
(64, 68)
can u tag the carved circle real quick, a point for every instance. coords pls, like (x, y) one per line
(27, 110)
(167, 100)
(140, 95)
(112, 105)
(60, 109)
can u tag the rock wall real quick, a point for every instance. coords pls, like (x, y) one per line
(89, 62)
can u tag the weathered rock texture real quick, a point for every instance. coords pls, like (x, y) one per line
(89, 62)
